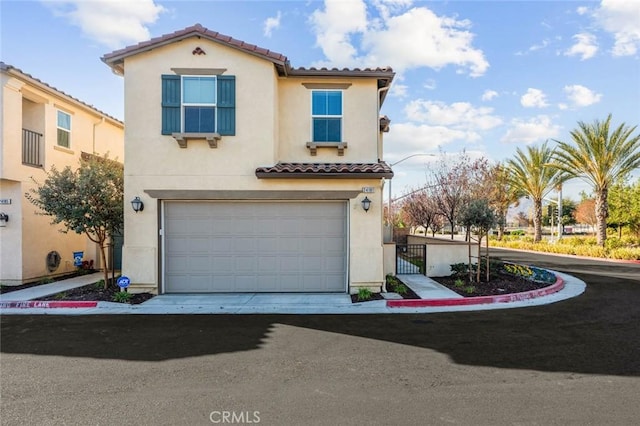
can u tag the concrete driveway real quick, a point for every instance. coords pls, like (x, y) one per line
(572, 362)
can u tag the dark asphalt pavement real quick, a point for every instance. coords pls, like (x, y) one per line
(573, 362)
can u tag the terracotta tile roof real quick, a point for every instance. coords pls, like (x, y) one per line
(116, 58)
(11, 69)
(326, 170)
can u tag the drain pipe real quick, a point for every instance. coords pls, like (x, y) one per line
(94, 133)
(383, 287)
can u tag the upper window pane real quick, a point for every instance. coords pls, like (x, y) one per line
(64, 120)
(326, 102)
(199, 90)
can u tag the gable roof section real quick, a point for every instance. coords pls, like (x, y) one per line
(17, 72)
(326, 170)
(115, 59)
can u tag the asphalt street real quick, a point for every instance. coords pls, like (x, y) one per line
(572, 362)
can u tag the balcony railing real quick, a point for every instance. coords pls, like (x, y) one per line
(31, 148)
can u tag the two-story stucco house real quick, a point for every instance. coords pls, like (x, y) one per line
(254, 176)
(42, 127)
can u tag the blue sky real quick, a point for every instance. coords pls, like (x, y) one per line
(486, 77)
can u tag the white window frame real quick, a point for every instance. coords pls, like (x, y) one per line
(58, 111)
(184, 104)
(341, 116)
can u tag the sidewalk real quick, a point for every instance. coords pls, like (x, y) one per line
(44, 290)
(437, 298)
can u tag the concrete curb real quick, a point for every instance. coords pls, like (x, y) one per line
(479, 300)
(570, 256)
(48, 304)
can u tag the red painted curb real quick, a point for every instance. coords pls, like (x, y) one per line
(48, 304)
(479, 300)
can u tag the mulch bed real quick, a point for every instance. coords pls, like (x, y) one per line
(409, 294)
(374, 296)
(501, 284)
(93, 292)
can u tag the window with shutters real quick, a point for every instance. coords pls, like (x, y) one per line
(198, 104)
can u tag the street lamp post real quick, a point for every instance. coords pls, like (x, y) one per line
(559, 203)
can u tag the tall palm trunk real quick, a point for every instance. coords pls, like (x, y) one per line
(602, 213)
(537, 221)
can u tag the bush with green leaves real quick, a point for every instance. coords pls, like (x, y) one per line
(364, 294)
(122, 297)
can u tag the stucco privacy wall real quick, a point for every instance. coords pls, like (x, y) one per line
(441, 254)
(28, 237)
(267, 131)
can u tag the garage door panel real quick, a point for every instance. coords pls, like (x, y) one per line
(255, 246)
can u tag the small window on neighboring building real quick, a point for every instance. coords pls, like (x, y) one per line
(199, 104)
(64, 129)
(326, 115)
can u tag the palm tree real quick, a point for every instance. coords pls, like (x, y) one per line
(601, 158)
(534, 174)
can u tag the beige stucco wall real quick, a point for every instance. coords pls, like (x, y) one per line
(267, 131)
(441, 254)
(28, 237)
(360, 121)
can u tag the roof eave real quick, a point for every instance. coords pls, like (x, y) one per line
(303, 175)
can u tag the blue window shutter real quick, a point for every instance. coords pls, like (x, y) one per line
(170, 104)
(227, 105)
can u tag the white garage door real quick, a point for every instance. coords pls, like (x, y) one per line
(255, 247)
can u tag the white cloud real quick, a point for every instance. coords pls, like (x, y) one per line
(430, 84)
(407, 39)
(334, 26)
(581, 96)
(458, 115)
(411, 137)
(563, 106)
(534, 98)
(585, 46)
(489, 95)
(113, 23)
(540, 46)
(272, 23)
(621, 18)
(582, 10)
(529, 131)
(399, 90)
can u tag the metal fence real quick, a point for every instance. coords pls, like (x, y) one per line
(31, 148)
(411, 259)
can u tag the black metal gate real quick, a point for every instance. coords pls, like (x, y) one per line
(411, 259)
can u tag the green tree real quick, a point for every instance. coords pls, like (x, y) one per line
(86, 201)
(624, 207)
(534, 174)
(478, 217)
(601, 157)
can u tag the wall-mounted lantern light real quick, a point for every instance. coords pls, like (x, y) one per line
(4, 218)
(137, 204)
(366, 204)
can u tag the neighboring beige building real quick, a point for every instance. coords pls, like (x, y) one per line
(43, 127)
(254, 175)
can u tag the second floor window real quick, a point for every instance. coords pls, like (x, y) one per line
(64, 129)
(326, 115)
(199, 104)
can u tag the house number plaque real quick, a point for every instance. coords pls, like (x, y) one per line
(368, 189)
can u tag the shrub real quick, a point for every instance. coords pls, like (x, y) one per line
(122, 297)
(364, 294)
(459, 283)
(401, 289)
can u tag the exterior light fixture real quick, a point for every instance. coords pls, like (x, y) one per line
(366, 204)
(137, 204)
(4, 218)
